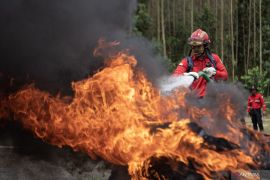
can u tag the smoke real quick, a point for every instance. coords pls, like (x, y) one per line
(25, 157)
(218, 96)
(168, 84)
(51, 42)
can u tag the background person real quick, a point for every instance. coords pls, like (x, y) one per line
(255, 104)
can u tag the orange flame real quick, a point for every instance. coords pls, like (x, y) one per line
(118, 115)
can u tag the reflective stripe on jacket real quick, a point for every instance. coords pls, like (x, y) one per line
(256, 102)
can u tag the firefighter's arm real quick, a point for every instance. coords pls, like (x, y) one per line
(181, 68)
(263, 104)
(221, 72)
(248, 105)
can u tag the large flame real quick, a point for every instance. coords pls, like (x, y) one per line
(119, 116)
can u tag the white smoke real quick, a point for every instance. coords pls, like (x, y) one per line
(168, 84)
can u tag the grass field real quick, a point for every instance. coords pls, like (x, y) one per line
(266, 123)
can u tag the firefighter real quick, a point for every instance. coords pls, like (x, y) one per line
(201, 59)
(255, 104)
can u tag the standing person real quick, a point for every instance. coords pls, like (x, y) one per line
(201, 59)
(255, 104)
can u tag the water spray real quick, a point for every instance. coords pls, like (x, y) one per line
(168, 84)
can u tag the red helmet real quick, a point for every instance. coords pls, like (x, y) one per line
(198, 37)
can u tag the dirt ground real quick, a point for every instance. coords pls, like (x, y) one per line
(266, 122)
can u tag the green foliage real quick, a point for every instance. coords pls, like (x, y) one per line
(253, 77)
(207, 16)
(206, 21)
(266, 45)
(157, 46)
(142, 21)
(178, 47)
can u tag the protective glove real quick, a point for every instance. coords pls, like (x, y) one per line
(210, 71)
(194, 74)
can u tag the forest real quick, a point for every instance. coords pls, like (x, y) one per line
(239, 31)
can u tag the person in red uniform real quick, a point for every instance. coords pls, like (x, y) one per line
(255, 104)
(201, 59)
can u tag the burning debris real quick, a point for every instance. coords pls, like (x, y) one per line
(117, 114)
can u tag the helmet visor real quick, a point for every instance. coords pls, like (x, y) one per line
(194, 42)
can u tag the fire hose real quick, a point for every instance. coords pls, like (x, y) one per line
(205, 76)
(198, 75)
(169, 84)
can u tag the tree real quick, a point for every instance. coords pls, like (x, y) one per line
(260, 16)
(254, 77)
(249, 29)
(192, 19)
(206, 21)
(158, 19)
(221, 29)
(239, 30)
(232, 40)
(254, 30)
(184, 13)
(163, 29)
(216, 24)
(142, 21)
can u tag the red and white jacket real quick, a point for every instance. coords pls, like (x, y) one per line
(256, 102)
(199, 64)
